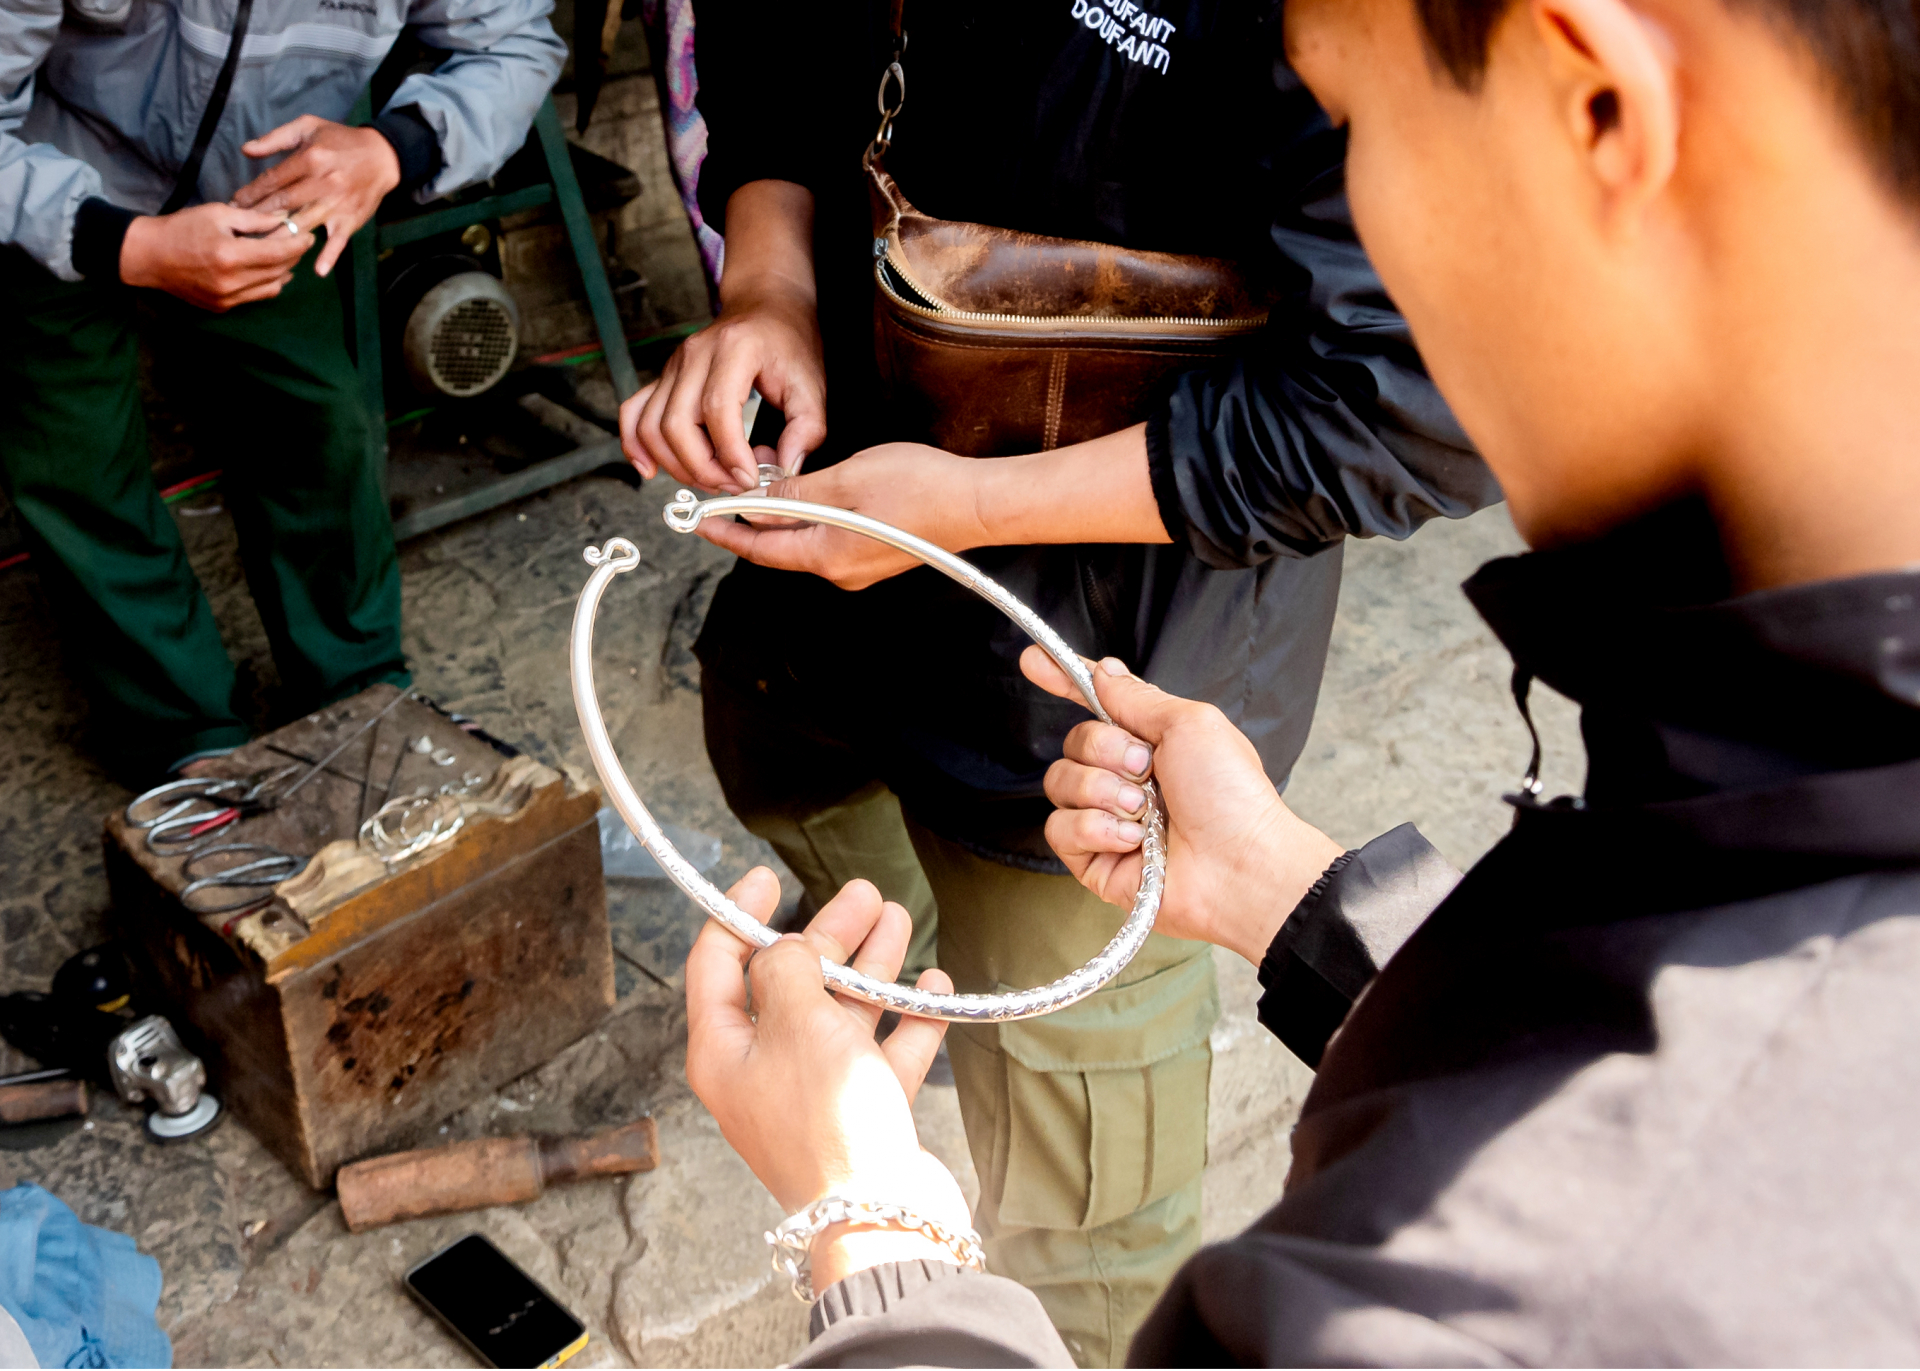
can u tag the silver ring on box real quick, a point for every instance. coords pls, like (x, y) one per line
(394, 849)
(683, 515)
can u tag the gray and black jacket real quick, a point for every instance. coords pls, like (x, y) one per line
(109, 114)
(1639, 1091)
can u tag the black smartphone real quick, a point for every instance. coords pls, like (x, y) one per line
(495, 1308)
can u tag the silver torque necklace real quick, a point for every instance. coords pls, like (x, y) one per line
(683, 515)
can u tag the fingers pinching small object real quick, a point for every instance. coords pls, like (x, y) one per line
(292, 226)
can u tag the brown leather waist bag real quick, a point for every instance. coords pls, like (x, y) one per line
(993, 342)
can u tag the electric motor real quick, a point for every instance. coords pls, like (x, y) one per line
(462, 336)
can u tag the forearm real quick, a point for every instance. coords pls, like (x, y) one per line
(843, 1250)
(1092, 492)
(769, 244)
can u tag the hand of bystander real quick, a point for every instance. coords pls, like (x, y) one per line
(336, 178)
(213, 256)
(688, 423)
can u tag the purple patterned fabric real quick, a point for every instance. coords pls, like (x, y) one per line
(670, 26)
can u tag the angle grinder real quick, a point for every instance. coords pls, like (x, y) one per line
(149, 1062)
(88, 1025)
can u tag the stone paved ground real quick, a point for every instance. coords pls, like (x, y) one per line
(666, 1268)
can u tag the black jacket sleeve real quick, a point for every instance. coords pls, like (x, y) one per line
(772, 79)
(930, 1314)
(1343, 931)
(414, 143)
(99, 232)
(1329, 426)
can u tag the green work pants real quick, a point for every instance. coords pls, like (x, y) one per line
(1088, 1127)
(275, 404)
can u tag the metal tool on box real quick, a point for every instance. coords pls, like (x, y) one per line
(256, 867)
(398, 993)
(180, 816)
(684, 515)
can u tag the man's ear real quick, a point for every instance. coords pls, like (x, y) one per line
(1614, 72)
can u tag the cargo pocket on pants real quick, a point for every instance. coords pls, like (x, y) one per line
(1106, 1100)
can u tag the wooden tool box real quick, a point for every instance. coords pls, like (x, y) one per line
(350, 1015)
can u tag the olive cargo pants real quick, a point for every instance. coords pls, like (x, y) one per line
(276, 406)
(1088, 1127)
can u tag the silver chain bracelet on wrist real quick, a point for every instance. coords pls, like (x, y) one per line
(792, 1241)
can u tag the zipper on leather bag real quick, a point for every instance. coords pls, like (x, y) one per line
(900, 287)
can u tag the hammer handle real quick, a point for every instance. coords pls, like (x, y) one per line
(486, 1171)
(44, 1100)
(614, 1152)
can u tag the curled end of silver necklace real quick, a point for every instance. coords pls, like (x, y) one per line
(683, 512)
(616, 552)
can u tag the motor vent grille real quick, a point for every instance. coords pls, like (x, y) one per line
(472, 346)
(462, 336)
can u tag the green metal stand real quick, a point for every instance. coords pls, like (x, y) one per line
(375, 238)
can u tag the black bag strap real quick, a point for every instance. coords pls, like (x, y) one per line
(188, 182)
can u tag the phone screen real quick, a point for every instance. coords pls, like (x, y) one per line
(495, 1307)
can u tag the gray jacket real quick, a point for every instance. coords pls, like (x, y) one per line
(112, 113)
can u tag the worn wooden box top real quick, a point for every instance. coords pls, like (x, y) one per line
(291, 932)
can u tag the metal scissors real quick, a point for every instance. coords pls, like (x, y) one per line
(195, 807)
(268, 868)
(178, 815)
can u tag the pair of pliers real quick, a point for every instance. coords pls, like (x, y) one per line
(190, 809)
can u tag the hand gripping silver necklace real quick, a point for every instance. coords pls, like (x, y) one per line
(683, 515)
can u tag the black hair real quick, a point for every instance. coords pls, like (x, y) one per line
(1868, 52)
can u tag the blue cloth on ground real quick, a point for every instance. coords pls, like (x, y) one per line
(84, 1296)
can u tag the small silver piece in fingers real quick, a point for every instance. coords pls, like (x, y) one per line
(292, 227)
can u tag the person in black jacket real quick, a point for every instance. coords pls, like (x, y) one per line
(1202, 545)
(1638, 1088)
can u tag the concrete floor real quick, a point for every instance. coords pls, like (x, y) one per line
(666, 1268)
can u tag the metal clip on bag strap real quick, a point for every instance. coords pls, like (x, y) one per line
(187, 184)
(895, 75)
(683, 516)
